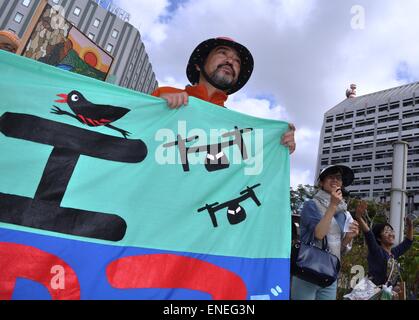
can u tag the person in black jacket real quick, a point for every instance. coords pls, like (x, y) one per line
(381, 249)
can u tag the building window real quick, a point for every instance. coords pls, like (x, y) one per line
(109, 48)
(18, 17)
(91, 36)
(115, 33)
(408, 103)
(410, 115)
(349, 126)
(387, 119)
(26, 3)
(96, 23)
(342, 138)
(364, 123)
(77, 11)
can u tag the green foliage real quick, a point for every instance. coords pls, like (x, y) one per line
(409, 265)
(300, 195)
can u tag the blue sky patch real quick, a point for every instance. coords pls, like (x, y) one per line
(403, 73)
(272, 101)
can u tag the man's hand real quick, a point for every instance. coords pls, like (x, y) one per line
(175, 100)
(288, 138)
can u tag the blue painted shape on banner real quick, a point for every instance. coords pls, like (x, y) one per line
(89, 261)
(30, 290)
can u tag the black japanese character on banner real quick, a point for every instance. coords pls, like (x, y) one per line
(44, 211)
(215, 158)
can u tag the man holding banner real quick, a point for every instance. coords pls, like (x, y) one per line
(88, 211)
(217, 68)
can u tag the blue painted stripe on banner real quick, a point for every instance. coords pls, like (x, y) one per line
(89, 261)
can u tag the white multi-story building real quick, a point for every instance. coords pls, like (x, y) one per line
(359, 132)
(109, 29)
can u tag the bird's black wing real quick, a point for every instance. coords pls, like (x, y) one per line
(98, 112)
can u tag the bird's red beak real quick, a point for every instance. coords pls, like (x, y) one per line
(63, 96)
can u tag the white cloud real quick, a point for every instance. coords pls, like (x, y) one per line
(169, 81)
(145, 16)
(292, 13)
(261, 108)
(300, 177)
(304, 159)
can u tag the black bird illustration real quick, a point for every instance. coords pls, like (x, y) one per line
(93, 115)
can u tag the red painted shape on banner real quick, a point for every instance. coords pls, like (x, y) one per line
(171, 271)
(21, 261)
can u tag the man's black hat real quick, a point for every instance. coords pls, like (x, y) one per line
(201, 52)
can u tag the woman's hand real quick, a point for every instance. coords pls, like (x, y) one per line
(409, 223)
(409, 228)
(336, 197)
(353, 230)
(360, 210)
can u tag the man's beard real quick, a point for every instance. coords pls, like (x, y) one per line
(221, 79)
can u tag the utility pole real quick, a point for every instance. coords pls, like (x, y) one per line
(398, 189)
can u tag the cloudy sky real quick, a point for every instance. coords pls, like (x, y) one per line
(307, 53)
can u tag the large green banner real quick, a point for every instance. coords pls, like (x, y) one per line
(132, 200)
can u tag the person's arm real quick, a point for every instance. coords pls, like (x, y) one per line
(405, 245)
(409, 226)
(175, 97)
(309, 218)
(359, 216)
(363, 224)
(322, 228)
(288, 138)
(373, 247)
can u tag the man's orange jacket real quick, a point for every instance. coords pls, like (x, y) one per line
(197, 91)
